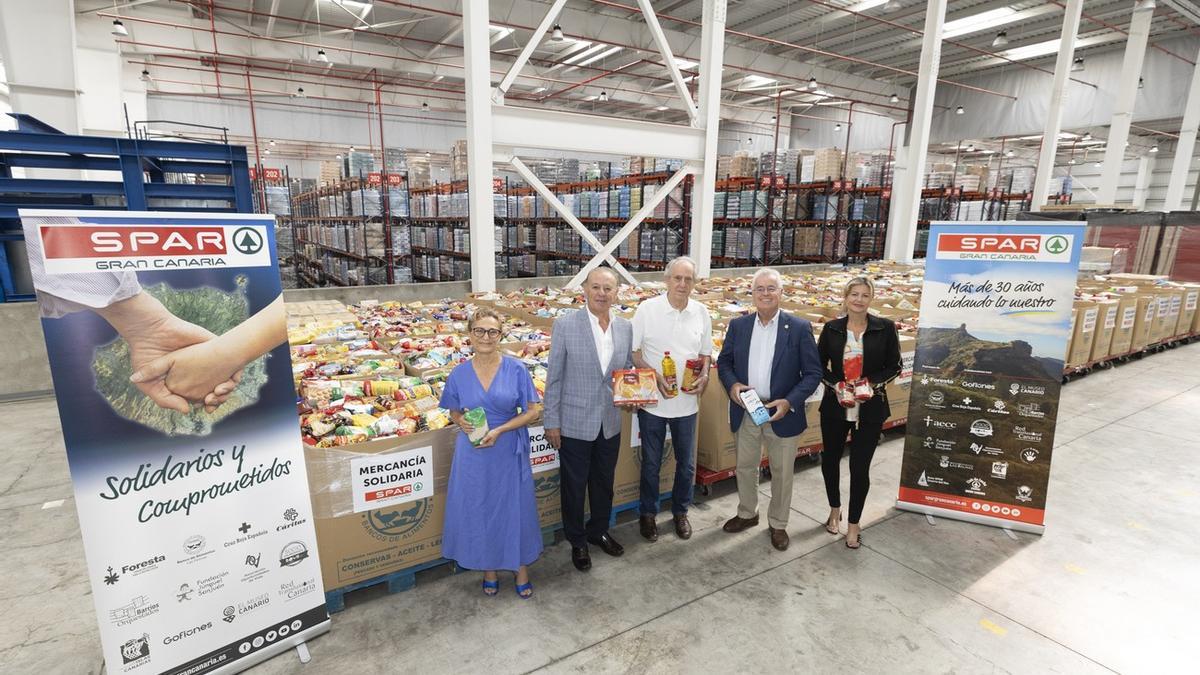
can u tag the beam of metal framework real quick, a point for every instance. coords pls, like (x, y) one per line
(1141, 188)
(1058, 96)
(567, 215)
(664, 48)
(556, 130)
(534, 40)
(477, 63)
(712, 53)
(1127, 89)
(647, 208)
(1186, 146)
(906, 192)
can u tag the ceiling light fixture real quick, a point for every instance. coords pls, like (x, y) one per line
(1001, 39)
(774, 119)
(662, 108)
(428, 154)
(1141, 83)
(812, 83)
(1071, 161)
(267, 151)
(272, 142)
(603, 96)
(1087, 135)
(145, 75)
(1077, 64)
(959, 110)
(299, 92)
(895, 98)
(749, 141)
(338, 156)
(424, 106)
(837, 127)
(1010, 153)
(557, 34)
(352, 148)
(1097, 165)
(971, 148)
(119, 29)
(321, 56)
(1154, 149)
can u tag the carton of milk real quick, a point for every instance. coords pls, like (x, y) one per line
(754, 406)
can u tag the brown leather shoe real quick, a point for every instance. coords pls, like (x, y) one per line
(779, 538)
(683, 529)
(649, 528)
(736, 524)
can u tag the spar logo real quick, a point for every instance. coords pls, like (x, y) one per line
(1055, 248)
(91, 247)
(397, 523)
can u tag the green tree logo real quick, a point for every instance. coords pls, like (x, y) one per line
(1056, 244)
(247, 240)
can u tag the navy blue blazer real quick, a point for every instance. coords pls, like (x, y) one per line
(795, 369)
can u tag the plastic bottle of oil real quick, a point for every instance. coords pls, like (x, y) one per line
(668, 371)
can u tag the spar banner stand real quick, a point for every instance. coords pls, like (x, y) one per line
(992, 339)
(196, 524)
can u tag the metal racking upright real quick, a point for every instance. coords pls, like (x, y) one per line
(155, 175)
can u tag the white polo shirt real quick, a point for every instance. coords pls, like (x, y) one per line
(657, 328)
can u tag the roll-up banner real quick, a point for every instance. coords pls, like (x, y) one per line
(996, 317)
(168, 347)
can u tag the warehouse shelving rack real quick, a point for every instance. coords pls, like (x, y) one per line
(553, 256)
(312, 225)
(154, 175)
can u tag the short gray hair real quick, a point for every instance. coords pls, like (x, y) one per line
(606, 270)
(768, 271)
(680, 259)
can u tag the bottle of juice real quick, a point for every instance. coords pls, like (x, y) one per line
(668, 371)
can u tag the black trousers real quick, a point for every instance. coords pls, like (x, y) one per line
(863, 440)
(587, 466)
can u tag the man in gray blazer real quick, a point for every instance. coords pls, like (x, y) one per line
(580, 419)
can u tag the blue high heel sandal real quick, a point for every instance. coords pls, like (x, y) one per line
(491, 588)
(525, 591)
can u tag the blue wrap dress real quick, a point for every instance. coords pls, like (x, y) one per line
(491, 511)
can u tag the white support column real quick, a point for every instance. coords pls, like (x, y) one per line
(477, 59)
(1127, 88)
(712, 53)
(37, 44)
(902, 228)
(1142, 187)
(1058, 96)
(1186, 146)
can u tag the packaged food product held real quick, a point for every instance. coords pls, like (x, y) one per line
(477, 418)
(693, 370)
(635, 386)
(669, 374)
(754, 406)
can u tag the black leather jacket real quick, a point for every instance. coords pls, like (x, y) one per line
(881, 364)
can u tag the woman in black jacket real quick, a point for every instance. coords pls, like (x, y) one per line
(859, 352)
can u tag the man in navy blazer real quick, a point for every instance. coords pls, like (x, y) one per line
(773, 353)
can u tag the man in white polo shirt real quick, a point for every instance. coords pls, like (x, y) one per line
(673, 322)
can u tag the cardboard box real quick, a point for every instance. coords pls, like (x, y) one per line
(1122, 337)
(1147, 309)
(1162, 327)
(626, 484)
(1187, 315)
(716, 446)
(355, 547)
(1106, 325)
(1083, 333)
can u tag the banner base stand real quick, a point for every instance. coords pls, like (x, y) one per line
(298, 641)
(302, 652)
(930, 511)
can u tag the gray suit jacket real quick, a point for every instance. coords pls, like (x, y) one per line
(578, 393)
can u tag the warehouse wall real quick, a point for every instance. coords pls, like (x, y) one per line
(867, 131)
(1166, 86)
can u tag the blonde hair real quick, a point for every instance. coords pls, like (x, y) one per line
(859, 281)
(484, 313)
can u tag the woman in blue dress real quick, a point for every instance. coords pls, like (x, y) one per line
(491, 511)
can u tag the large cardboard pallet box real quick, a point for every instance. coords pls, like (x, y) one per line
(357, 544)
(1106, 325)
(627, 482)
(1083, 334)
(1147, 310)
(1190, 297)
(1122, 337)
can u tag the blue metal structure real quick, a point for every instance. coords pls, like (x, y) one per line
(143, 166)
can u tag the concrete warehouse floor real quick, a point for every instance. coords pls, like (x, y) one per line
(1110, 587)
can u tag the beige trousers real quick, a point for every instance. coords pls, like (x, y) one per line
(781, 456)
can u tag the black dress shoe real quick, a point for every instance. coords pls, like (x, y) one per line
(607, 544)
(648, 527)
(581, 559)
